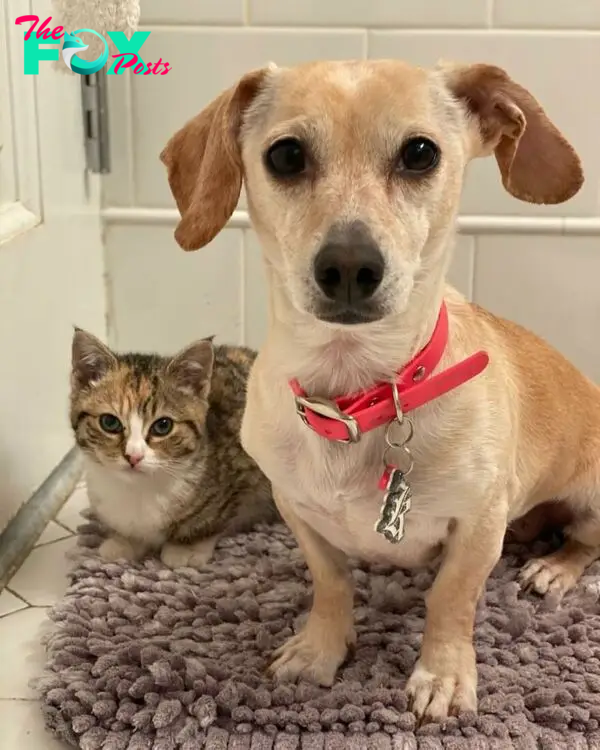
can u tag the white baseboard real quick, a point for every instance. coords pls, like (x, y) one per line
(15, 219)
(469, 225)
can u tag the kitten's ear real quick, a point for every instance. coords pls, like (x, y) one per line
(90, 359)
(191, 369)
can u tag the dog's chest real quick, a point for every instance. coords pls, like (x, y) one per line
(348, 522)
(335, 489)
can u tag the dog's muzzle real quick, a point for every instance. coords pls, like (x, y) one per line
(348, 269)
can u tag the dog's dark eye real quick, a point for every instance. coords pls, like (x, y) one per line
(111, 424)
(418, 155)
(286, 158)
(161, 427)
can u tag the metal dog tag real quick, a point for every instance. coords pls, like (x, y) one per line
(395, 506)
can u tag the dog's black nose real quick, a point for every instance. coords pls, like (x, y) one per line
(349, 266)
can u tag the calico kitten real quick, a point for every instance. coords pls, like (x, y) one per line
(160, 435)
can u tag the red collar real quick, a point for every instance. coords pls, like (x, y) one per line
(345, 418)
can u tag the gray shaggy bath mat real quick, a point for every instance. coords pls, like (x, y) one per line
(144, 658)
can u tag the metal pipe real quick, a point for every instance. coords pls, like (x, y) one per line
(23, 531)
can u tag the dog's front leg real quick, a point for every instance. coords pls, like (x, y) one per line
(444, 679)
(322, 644)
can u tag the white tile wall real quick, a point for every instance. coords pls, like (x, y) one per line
(162, 298)
(187, 11)
(460, 273)
(399, 13)
(548, 283)
(551, 47)
(582, 14)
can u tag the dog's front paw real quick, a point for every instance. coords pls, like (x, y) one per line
(315, 654)
(116, 548)
(443, 685)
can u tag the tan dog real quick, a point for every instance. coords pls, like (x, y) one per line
(354, 173)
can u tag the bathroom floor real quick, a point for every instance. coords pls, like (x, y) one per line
(39, 583)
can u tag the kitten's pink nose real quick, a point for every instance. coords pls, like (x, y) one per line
(134, 459)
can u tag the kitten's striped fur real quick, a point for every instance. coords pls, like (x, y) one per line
(187, 487)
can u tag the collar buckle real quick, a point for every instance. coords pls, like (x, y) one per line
(329, 410)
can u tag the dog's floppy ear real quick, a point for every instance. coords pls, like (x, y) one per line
(204, 164)
(536, 162)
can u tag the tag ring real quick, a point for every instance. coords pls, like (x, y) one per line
(408, 454)
(397, 403)
(397, 443)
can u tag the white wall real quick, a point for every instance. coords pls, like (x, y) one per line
(51, 277)
(541, 273)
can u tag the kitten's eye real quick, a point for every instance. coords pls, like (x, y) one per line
(161, 427)
(286, 158)
(418, 155)
(110, 423)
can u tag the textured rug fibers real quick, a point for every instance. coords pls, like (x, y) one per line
(141, 657)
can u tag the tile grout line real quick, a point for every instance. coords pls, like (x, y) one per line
(481, 28)
(14, 593)
(14, 612)
(63, 526)
(26, 604)
(68, 534)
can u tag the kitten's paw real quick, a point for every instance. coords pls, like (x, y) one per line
(194, 555)
(116, 548)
